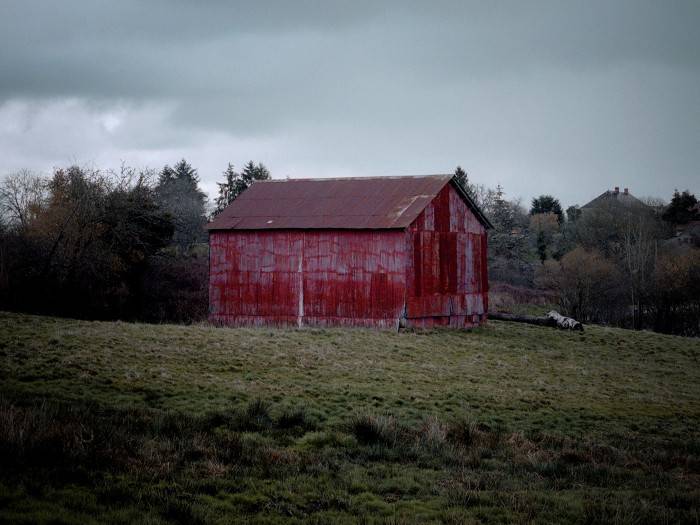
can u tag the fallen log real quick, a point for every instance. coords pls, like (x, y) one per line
(553, 319)
(566, 323)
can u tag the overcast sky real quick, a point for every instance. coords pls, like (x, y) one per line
(568, 98)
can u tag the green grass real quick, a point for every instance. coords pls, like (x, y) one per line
(121, 423)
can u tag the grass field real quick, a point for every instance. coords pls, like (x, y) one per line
(123, 423)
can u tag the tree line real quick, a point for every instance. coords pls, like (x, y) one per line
(611, 264)
(131, 244)
(126, 244)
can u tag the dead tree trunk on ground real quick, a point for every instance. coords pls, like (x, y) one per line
(554, 319)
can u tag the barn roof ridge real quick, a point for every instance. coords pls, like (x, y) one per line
(375, 202)
(446, 176)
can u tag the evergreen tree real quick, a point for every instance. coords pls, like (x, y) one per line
(503, 213)
(236, 183)
(463, 179)
(547, 204)
(683, 208)
(508, 251)
(166, 176)
(178, 194)
(507, 238)
(252, 172)
(461, 176)
(227, 191)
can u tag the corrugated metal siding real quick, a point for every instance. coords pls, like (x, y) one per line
(307, 278)
(447, 280)
(434, 272)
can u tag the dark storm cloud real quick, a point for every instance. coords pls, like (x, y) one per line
(147, 49)
(594, 92)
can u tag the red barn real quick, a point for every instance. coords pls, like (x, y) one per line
(381, 252)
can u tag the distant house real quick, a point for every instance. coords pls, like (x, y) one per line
(687, 234)
(379, 252)
(614, 198)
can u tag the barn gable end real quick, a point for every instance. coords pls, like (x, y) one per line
(446, 277)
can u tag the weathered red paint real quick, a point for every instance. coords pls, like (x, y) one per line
(298, 277)
(447, 280)
(430, 273)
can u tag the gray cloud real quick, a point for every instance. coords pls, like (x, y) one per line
(562, 97)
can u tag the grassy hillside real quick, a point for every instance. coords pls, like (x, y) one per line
(123, 422)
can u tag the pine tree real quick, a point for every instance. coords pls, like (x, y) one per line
(251, 173)
(507, 239)
(185, 172)
(547, 204)
(166, 176)
(462, 178)
(683, 208)
(178, 193)
(236, 183)
(503, 213)
(226, 189)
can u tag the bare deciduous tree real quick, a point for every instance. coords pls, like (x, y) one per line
(638, 250)
(589, 285)
(22, 196)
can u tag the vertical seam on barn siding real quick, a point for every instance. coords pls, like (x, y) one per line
(300, 317)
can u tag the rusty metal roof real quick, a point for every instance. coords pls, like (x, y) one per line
(348, 203)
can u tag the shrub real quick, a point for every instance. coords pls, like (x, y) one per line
(432, 435)
(375, 429)
(590, 287)
(256, 415)
(462, 432)
(294, 418)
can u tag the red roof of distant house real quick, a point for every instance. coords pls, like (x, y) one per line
(349, 203)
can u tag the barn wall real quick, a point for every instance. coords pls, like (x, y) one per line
(447, 281)
(312, 278)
